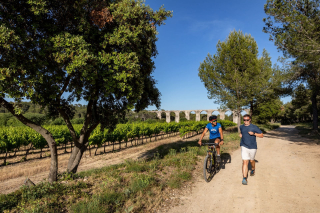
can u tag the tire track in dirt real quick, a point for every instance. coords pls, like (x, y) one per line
(287, 179)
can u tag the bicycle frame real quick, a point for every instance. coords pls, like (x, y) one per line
(213, 161)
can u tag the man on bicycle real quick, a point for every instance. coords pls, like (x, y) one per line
(216, 135)
(248, 144)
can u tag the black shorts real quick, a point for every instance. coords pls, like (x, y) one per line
(214, 140)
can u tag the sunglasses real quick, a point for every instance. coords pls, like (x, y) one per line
(246, 120)
(214, 120)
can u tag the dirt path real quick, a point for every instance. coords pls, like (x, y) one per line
(287, 179)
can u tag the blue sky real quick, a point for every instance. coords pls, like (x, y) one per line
(192, 33)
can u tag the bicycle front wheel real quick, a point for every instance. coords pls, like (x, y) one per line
(207, 168)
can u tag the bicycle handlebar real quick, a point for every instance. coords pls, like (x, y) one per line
(214, 144)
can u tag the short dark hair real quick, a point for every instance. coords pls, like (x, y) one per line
(247, 115)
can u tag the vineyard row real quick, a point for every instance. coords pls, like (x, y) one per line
(14, 139)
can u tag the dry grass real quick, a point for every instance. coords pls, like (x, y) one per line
(12, 176)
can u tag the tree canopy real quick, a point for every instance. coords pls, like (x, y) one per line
(56, 52)
(294, 26)
(235, 76)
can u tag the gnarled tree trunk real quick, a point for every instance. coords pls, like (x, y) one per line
(44, 133)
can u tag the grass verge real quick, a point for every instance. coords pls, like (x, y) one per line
(306, 130)
(134, 186)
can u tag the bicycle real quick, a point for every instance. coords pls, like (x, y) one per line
(211, 166)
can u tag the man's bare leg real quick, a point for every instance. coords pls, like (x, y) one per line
(253, 165)
(245, 168)
(217, 147)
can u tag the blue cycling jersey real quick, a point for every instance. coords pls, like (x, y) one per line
(214, 130)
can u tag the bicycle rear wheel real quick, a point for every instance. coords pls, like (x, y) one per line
(208, 168)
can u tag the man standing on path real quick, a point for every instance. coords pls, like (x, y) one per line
(248, 145)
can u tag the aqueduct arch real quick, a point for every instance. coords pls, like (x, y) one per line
(198, 116)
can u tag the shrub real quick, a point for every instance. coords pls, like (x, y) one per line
(14, 122)
(77, 121)
(58, 121)
(226, 123)
(4, 117)
(39, 119)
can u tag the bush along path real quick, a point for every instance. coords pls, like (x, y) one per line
(19, 141)
(133, 186)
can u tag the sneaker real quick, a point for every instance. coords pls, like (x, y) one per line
(218, 159)
(244, 181)
(252, 173)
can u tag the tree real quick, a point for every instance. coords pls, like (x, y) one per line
(268, 110)
(294, 27)
(268, 85)
(301, 102)
(230, 74)
(56, 52)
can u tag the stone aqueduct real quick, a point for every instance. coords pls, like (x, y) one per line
(198, 112)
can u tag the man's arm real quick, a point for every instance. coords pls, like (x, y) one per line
(221, 136)
(260, 135)
(202, 135)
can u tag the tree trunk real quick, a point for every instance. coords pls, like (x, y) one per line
(15, 152)
(314, 111)
(75, 158)
(251, 108)
(27, 152)
(239, 120)
(5, 158)
(95, 153)
(44, 133)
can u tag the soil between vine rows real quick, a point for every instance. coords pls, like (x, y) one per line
(13, 176)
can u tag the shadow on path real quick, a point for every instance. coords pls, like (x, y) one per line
(289, 133)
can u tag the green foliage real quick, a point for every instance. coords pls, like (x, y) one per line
(54, 53)
(77, 121)
(235, 77)
(226, 74)
(58, 121)
(293, 26)
(14, 137)
(266, 111)
(68, 176)
(26, 195)
(300, 108)
(4, 117)
(268, 126)
(39, 119)
(116, 188)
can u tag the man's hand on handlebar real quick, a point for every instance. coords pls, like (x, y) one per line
(221, 142)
